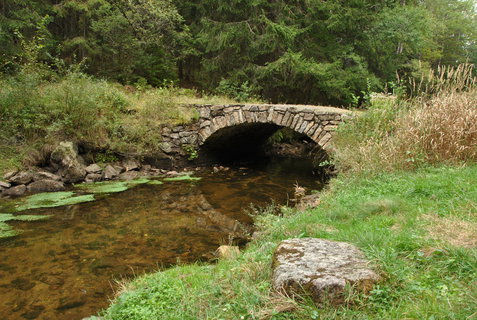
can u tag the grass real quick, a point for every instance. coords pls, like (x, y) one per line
(395, 218)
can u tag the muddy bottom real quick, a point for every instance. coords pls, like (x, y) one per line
(67, 267)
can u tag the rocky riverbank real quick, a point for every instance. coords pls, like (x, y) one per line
(66, 167)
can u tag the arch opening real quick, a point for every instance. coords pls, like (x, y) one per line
(257, 142)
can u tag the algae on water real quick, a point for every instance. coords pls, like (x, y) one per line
(155, 182)
(52, 199)
(111, 186)
(182, 178)
(7, 231)
(104, 187)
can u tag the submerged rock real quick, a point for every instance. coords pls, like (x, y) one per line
(46, 185)
(321, 269)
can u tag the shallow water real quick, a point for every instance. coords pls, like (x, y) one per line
(66, 267)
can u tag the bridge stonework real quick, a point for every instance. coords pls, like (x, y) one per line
(318, 123)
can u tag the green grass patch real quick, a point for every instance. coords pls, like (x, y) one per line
(386, 215)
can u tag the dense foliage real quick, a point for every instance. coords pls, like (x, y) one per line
(305, 51)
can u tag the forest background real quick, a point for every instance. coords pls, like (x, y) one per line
(306, 51)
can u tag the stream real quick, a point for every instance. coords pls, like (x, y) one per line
(68, 267)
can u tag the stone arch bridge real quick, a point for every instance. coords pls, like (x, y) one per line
(258, 121)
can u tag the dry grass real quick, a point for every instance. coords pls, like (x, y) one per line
(458, 233)
(438, 126)
(443, 129)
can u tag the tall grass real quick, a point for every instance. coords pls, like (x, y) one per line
(438, 125)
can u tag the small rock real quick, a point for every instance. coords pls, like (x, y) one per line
(73, 174)
(131, 164)
(93, 177)
(147, 167)
(42, 175)
(216, 169)
(46, 185)
(15, 191)
(130, 175)
(166, 147)
(5, 185)
(22, 177)
(10, 174)
(320, 268)
(110, 172)
(93, 168)
(227, 252)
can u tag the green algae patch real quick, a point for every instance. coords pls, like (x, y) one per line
(104, 187)
(4, 217)
(111, 186)
(138, 181)
(7, 231)
(52, 199)
(182, 178)
(155, 182)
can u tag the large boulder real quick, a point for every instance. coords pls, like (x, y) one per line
(46, 185)
(65, 158)
(321, 269)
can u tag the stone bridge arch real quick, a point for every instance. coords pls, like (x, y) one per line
(318, 123)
